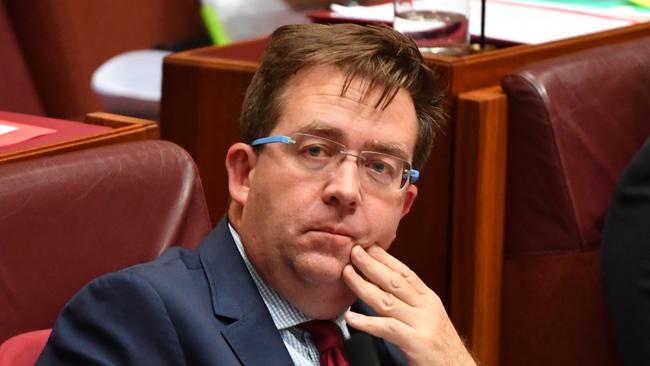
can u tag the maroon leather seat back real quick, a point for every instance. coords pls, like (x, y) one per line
(68, 218)
(65, 41)
(574, 124)
(17, 93)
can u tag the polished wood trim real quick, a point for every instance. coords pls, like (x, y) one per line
(125, 123)
(478, 219)
(123, 129)
(212, 63)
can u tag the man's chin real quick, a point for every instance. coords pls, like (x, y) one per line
(320, 270)
(322, 277)
(329, 303)
(325, 294)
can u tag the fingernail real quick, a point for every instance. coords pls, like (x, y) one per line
(356, 251)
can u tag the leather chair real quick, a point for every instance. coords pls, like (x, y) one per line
(68, 218)
(51, 48)
(24, 349)
(574, 124)
(18, 93)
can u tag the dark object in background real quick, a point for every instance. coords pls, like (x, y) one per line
(626, 261)
(196, 41)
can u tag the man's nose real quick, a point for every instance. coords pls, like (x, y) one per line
(343, 186)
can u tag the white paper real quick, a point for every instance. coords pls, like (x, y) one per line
(381, 13)
(527, 22)
(531, 23)
(6, 129)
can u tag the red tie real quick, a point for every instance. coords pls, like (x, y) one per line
(328, 340)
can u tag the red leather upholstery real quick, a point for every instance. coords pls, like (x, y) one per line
(574, 124)
(68, 218)
(23, 349)
(17, 92)
(64, 41)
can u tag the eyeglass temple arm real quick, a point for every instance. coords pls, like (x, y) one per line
(414, 175)
(270, 139)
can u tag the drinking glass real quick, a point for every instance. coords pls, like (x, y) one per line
(436, 26)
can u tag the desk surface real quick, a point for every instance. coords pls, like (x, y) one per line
(516, 21)
(99, 129)
(65, 131)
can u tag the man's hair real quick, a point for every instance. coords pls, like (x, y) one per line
(379, 54)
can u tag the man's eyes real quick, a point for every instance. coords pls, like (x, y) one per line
(316, 151)
(380, 167)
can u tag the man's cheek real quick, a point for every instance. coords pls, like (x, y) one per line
(386, 239)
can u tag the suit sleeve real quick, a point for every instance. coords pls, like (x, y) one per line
(118, 319)
(626, 261)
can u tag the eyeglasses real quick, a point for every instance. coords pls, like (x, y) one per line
(320, 154)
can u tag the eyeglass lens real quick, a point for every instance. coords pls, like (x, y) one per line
(376, 169)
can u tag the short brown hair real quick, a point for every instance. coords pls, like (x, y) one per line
(385, 57)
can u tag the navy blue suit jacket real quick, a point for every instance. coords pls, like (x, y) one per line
(185, 308)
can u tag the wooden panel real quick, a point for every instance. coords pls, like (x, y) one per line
(478, 220)
(423, 234)
(200, 110)
(123, 129)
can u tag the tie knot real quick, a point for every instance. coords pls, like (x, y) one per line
(325, 333)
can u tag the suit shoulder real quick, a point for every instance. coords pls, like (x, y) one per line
(174, 273)
(172, 263)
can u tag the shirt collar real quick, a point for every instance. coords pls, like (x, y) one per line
(284, 314)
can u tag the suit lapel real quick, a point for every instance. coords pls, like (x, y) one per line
(235, 299)
(250, 338)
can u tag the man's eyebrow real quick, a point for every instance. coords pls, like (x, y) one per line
(387, 148)
(323, 129)
(319, 128)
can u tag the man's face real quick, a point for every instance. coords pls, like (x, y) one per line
(298, 227)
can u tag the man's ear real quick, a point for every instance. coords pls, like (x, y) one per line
(411, 193)
(240, 164)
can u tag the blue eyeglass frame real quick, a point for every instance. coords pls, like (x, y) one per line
(413, 174)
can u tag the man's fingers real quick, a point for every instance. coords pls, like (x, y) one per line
(389, 329)
(410, 315)
(384, 303)
(393, 263)
(385, 277)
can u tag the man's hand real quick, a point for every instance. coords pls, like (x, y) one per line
(411, 315)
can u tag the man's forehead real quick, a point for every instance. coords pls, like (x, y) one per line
(322, 82)
(353, 86)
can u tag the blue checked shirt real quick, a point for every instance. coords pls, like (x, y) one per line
(286, 317)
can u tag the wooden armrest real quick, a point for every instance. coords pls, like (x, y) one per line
(478, 219)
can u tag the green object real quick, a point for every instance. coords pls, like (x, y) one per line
(641, 3)
(215, 28)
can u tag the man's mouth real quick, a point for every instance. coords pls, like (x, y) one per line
(333, 231)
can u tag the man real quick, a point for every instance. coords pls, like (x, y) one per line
(336, 122)
(626, 259)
